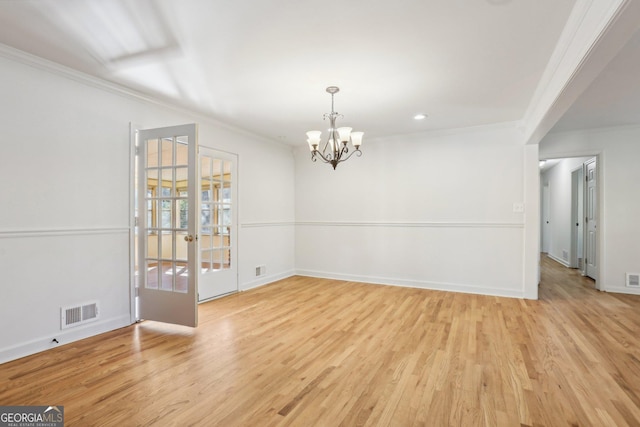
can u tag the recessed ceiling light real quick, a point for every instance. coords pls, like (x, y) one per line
(420, 116)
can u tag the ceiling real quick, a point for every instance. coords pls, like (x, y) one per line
(263, 66)
(613, 98)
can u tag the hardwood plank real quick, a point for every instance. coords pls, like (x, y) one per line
(306, 351)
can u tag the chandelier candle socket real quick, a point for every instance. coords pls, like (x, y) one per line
(334, 152)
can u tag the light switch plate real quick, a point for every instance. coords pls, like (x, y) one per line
(518, 207)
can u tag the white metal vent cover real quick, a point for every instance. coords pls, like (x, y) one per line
(633, 280)
(78, 314)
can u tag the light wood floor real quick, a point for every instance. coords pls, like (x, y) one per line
(312, 352)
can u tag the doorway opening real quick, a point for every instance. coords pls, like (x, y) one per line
(570, 213)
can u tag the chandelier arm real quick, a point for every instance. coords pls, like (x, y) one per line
(326, 144)
(357, 152)
(322, 157)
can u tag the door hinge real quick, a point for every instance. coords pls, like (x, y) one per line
(137, 150)
(137, 292)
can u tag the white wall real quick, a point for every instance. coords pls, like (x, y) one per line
(619, 205)
(432, 211)
(558, 178)
(64, 222)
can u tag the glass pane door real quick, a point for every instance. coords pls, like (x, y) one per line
(167, 224)
(218, 225)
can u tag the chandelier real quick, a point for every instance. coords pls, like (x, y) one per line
(336, 149)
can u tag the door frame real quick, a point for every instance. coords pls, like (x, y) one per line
(600, 194)
(133, 298)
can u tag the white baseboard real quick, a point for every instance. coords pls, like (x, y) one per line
(559, 260)
(63, 337)
(420, 284)
(623, 290)
(265, 280)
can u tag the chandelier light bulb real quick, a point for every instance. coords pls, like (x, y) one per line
(356, 139)
(344, 133)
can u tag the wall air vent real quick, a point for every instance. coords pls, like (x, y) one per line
(633, 280)
(261, 270)
(78, 315)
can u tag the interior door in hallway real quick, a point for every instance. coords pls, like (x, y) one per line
(218, 225)
(591, 220)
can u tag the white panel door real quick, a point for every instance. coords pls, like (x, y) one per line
(218, 224)
(167, 224)
(546, 227)
(591, 241)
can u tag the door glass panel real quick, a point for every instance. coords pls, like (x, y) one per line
(226, 218)
(182, 276)
(227, 172)
(182, 151)
(167, 152)
(182, 181)
(165, 187)
(207, 262)
(216, 178)
(165, 213)
(152, 153)
(183, 214)
(166, 276)
(152, 274)
(205, 168)
(166, 245)
(205, 219)
(226, 258)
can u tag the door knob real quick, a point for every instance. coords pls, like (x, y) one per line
(188, 238)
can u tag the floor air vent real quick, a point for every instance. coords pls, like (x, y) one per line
(78, 315)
